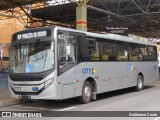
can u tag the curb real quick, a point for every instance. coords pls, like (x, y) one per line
(10, 103)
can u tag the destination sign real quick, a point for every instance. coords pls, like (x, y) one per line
(65, 37)
(31, 35)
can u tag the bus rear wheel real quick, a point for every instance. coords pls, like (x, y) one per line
(140, 83)
(86, 93)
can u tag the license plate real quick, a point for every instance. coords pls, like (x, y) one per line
(25, 97)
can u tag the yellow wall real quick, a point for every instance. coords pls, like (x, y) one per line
(7, 28)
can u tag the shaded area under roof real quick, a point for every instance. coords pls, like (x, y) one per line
(138, 16)
(7, 4)
(65, 13)
(144, 15)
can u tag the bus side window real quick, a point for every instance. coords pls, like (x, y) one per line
(135, 54)
(71, 54)
(83, 52)
(148, 53)
(94, 55)
(107, 49)
(67, 53)
(122, 51)
(93, 49)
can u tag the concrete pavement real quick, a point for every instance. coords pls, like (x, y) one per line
(5, 99)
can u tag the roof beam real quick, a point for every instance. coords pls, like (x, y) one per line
(153, 5)
(107, 12)
(118, 6)
(125, 8)
(103, 5)
(142, 14)
(138, 6)
(148, 5)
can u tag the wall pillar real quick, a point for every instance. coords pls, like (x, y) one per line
(81, 15)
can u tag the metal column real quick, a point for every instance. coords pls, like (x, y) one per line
(81, 15)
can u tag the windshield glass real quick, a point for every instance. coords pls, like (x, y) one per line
(31, 57)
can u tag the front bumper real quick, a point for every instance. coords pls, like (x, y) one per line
(52, 92)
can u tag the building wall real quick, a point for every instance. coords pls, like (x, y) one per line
(7, 28)
(158, 48)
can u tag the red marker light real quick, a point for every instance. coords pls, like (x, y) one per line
(76, 80)
(59, 83)
(96, 78)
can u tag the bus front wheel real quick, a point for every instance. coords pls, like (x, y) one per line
(86, 93)
(140, 83)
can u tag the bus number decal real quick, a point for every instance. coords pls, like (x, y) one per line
(89, 71)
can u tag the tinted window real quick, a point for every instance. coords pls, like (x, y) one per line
(107, 50)
(99, 49)
(135, 52)
(93, 49)
(83, 54)
(122, 51)
(148, 53)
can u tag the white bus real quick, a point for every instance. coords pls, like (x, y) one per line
(159, 60)
(53, 63)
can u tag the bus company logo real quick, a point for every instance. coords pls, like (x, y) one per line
(6, 114)
(89, 71)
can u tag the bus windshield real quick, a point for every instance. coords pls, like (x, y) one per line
(32, 57)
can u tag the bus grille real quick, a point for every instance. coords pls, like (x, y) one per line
(26, 78)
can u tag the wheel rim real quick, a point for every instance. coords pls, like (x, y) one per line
(87, 92)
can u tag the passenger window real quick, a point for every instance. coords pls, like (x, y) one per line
(108, 48)
(122, 53)
(93, 49)
(67, 53)
(71, 53)
(135, 53)
(149, 53)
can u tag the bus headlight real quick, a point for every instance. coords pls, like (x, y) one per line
(48, 82)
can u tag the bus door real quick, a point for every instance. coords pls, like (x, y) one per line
(67, 59)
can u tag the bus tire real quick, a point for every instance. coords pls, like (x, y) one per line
(86, 93)
(140, 83)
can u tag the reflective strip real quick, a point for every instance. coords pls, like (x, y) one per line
(76, 80)
(81, 22)
(59, 82)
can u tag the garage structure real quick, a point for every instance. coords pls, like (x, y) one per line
(138, 17)
(142, 17)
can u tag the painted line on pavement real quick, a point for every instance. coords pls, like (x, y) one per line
(64, 109)
(33, 108)
(37, 108)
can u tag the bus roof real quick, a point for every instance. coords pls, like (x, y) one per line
(109, 36)
(105, 36)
